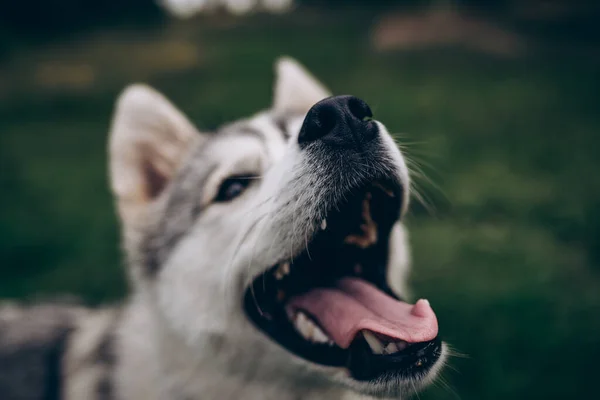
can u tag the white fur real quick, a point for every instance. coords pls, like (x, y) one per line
(83, 375)
(184, 333)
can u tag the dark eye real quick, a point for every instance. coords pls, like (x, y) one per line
(233, 187)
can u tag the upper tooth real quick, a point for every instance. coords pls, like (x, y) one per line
(282, 270)
(374, 343)
(324, 224)
(285, 268)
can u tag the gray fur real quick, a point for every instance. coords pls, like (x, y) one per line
(182, 333)
(184, 205)
(32, 344)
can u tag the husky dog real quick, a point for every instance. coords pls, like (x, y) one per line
(267, 261)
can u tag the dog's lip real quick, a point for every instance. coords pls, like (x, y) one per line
(330, 257)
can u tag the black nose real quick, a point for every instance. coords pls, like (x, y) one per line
(341, 121)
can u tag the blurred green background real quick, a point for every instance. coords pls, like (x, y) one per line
(498, 106)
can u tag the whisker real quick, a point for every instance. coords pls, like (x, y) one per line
(452, 352)
(255, 300)
(415, 389)
(229, 270)
(440, 379)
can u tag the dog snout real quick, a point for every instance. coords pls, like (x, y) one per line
(339, 121)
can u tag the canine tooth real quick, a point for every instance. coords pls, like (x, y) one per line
(391, 348)
(323, 224)
(374, 343)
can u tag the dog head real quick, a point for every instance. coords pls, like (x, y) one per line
(280, 232)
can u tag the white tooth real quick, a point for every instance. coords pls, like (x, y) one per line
(374, 343)
(401, 345)
(309, 328)
(299, 322)
(282, 270)
(391, 348)
(309, 331)
(323, 224)
(285, 268)
(304, 325)
(319, 336)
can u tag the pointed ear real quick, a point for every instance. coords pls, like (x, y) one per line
(296, 90)
(148, 140)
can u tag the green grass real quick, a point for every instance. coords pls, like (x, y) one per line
(508, 252)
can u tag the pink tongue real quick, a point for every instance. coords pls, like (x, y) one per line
(354, 305)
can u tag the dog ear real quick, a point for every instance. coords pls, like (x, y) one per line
(296, 90)
(149, 138)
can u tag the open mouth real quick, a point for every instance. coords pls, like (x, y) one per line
(331, 304)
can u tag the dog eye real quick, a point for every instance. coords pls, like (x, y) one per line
(233, 187)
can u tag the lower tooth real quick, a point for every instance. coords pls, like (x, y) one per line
(319, 336)
(374, 343)
(391, 348)
(309, 330)
(401, 345)
(324, 224)
(303, 325)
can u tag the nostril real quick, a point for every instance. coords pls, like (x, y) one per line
(319, 121)
(359, 109)
(326, 119)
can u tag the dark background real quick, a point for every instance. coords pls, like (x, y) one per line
(497, 103)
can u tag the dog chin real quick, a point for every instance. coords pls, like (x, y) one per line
(393, 385)
(331, 304)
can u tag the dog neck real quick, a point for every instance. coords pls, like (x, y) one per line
(157, 364)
